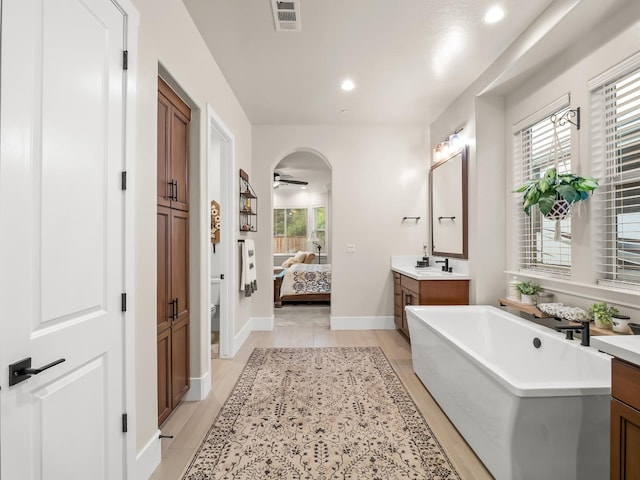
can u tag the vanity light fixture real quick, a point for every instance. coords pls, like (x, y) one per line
(348, 85)
(448, 146)
(493, 15)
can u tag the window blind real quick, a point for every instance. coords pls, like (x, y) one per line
(534, 153)
(616, 163)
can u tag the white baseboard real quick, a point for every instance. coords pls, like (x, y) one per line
(362, 323)
(149, 458)
(199, 389)
(241, 337)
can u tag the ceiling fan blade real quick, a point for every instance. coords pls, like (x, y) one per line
(293, 182)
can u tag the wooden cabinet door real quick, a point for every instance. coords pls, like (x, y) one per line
(180, 159)
(179, 360)
(625, 441)
(164, 298)
(180, 263)
(174, 117)
(164, 375)
(164, 149)
(397, 305)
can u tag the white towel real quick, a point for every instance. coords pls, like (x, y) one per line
(248, 282)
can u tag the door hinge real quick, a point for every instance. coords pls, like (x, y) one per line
(123, 180)
(123, 302)
(124, 423)
(125, 60)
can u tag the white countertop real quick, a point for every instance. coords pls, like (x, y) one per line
(625, 347)
(406, 265)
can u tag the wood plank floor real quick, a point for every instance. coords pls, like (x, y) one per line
(191, 420)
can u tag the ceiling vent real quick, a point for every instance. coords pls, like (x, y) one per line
(286, 15)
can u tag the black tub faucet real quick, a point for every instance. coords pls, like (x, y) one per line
(583, 328)
(445, 267)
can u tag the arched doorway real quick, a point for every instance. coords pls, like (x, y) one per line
(302, 238)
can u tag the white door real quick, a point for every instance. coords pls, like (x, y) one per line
(61, 240)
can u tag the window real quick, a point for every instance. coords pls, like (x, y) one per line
(535, 152)
(289, 230)
(319, 226)
(616, 163)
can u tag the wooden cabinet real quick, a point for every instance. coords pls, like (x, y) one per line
(408, 291)
(172, 309)
(625, 420)
(173, 250)
(173, 149)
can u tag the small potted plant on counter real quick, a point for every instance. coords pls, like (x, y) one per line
(528, 292)
(601, 314)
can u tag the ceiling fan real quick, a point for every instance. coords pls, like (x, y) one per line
(279, 178)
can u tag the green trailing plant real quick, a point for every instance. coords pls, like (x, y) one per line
(552, 186)
(602, 313)
(528, 288)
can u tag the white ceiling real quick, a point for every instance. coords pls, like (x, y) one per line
(409, 58)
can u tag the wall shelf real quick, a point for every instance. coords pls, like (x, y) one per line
(532, 310)
(248, 205)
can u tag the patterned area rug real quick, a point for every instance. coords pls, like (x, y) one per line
(319, 414)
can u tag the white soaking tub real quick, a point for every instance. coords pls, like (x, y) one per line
(529, 413)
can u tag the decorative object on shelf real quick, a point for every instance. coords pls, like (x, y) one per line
(313, 238)
(528, 292)
(544, 297)
(620, 323)
(248, 205)
(513, 292)
(602, 313)
(215, 224)
(635, 328)
(552, 309)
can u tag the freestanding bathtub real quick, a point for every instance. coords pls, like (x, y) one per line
(529, 413)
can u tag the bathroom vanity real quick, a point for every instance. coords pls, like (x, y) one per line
(625, 403)
(429, 286)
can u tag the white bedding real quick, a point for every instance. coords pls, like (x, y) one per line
(304, 278)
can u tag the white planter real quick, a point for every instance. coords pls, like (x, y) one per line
(528, 299)
(621, 324)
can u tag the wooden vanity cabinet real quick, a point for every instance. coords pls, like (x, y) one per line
(625, 420)
(408, 291)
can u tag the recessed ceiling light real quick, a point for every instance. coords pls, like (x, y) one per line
(493, 15)
(348, 85)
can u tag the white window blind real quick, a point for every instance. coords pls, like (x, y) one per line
(533, 156)
(616, 163)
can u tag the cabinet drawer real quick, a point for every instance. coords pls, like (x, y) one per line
(625, 382)
(410, 284)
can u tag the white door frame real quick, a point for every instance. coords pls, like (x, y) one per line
(228, 225)
(132, 23)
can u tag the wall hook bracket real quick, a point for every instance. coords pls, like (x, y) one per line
(567, 117)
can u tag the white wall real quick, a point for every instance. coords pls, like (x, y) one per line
(567, 31)
(379, 175)
(168, 36)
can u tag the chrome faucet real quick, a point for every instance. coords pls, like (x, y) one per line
(583, 328)
(445, 267)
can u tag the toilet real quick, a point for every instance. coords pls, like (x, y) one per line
(215, 304)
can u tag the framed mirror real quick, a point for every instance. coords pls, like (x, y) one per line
(449, 222)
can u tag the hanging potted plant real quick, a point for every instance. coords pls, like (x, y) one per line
(553, 193)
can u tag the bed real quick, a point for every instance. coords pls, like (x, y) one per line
(303, 282)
